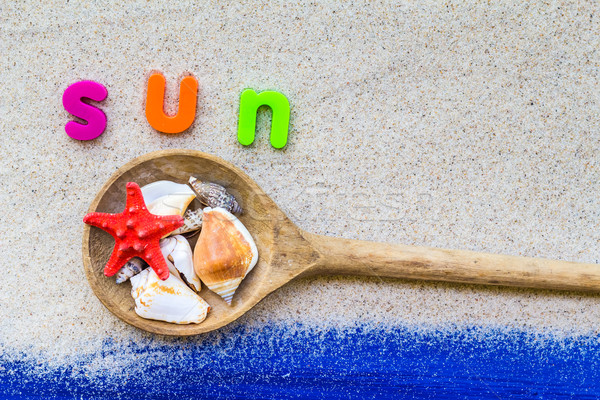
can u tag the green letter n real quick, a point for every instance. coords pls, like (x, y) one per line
(249, 105)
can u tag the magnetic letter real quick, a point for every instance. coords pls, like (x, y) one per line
(187, 104)
(249, 104)
(96, 119)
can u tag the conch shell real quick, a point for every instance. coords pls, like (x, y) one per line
(225, 252)
(167, 198)
(214, 195)
(132, 267)
(169, 300)
(177, 250)
(192, 221)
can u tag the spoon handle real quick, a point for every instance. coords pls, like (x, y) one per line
(354, 257)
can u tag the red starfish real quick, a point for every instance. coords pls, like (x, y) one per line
(137, 233)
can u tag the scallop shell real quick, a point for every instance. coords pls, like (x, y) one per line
(169, 300)
(167, 198)
(177, 250)
(214, 195)
(192, 221)
(225, 252)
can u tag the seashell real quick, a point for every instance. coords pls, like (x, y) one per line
(169, 300)
(177, 250)
(132, 267)
(167, 198)
(192, 221)
(214, 195)
(167, 245)
(225, 252)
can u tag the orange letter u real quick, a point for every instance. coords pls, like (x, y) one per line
(155, 98)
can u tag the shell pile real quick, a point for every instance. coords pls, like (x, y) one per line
(224, 253)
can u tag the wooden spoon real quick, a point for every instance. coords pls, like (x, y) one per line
(287, 252)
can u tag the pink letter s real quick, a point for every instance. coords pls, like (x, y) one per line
(96, 119)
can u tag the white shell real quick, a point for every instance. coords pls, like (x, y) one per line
(167, 245)
(169, 300)
(177, 250)
(167, 198)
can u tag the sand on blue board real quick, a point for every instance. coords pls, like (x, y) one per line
(363, 363)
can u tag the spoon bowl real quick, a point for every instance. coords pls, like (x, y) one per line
(261, 216)
(286, 252)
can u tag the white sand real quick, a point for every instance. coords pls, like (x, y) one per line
(469, 126)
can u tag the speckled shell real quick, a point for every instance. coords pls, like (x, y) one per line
(192, 221)
(169, 300)
(214, 195)
(225, 252)
(177, 250)
(167, 198)
(132, 267)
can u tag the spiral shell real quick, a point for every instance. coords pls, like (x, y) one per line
(192, 221)
(214, 195)
(131, 268)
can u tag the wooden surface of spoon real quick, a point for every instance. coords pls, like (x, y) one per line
(287, 252)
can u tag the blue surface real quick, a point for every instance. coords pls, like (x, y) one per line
(271, 363)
